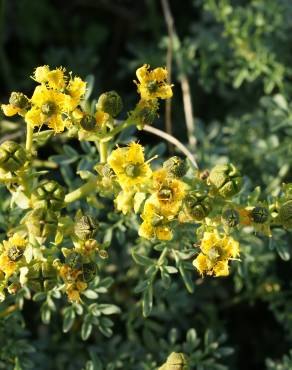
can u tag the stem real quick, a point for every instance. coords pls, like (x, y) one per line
(29, 137)
(163, 254)
(103, 151)
(81, 192)
(174, 141)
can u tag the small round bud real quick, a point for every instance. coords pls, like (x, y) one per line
(42, 223)
(12, 156)
(15, 253)
(176, 166)
(88, 122)
(226, 179)
(230, 217)
(146, 112)
(106, 170)
(41, 277)
(110, 102)
(19, 100)
(260, 215)
(86, 227)
(285, 214)
(49, 194)
(175, 361)
(89, 271)
(74, 260)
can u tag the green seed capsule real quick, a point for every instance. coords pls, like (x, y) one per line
(230, 217)
(226, 179)
(12, 156)
(260, 215)
(197, 205)
(176, 166)
(88, 122)
(285, 214)
(49, 194)
(110, 102)
(89, 271)
(42, 223)
(86, 227)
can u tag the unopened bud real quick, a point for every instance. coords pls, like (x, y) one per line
(176, 166)
(110, 102)
(42, 223)
(19, 100)
(175, 361)
(285, 214)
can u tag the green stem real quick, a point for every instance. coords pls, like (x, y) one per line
(81, 192)
(162, 256)
(103, 152)
(29, 137)
(128, 122)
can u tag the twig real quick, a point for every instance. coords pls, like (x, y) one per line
(173, 141)
(185, 85)
(169, 23)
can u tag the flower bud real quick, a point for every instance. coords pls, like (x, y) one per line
(145, 113)
(88, 122)
(226, 179)
(12, 156)
(74, 260)
(176, 166)
(230, 217)
(49, 194)
(285, 214)
(89, 271)
(85, 227)
(42, 223)
(110, 102)
(197, 205)
(175, 361)
(19, 100)
(260, 215)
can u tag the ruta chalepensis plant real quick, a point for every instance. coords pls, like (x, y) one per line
(186, 220)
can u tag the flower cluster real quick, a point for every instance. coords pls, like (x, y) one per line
(56, 248)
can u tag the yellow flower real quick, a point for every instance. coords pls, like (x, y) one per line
(48, 107)
(152, 84)
(124, 201)
(155, 222)
(129, 166)
(169, 191)
(101, 118)
(215, 254)
(10, 110)
(41, 74)
(55, 79)
(13, 251)
(73, 290)
(75, 89)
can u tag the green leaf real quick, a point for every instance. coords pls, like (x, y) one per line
(147, 302)
(109, 309)
(69, 319)
(86, 330)
(142, 260)
(186, 278)
(90, 294)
